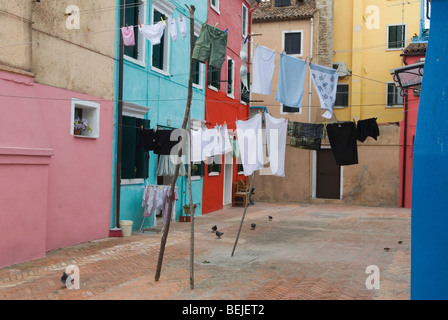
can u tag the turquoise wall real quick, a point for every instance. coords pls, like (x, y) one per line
(166, 95)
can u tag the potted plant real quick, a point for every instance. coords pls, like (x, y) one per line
(187, 213)
(80, 126)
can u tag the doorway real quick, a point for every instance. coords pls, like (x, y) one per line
(327, 175)
(228, 178)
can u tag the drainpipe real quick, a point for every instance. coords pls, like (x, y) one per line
(311, 57)
(120, 120)
(405, 142)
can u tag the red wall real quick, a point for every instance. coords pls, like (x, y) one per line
(219, 108)
(406, 162)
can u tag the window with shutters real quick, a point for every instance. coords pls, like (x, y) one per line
(198, 79)
(393, 96)
(342, 95)
(282, 3)
(134, 160)
(230, 77)
(135, 11)
(293, 42)
(396, 37)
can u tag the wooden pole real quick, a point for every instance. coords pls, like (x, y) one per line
(245, 209)
(176, 171)
(190, 194)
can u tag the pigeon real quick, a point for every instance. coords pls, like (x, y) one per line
(270, 218)
(65, 277)
(219, 234)
(253, 225)
(214, 228)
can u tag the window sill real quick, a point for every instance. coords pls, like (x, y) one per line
(135, 61)
(125, 182)
(213, 88)
(83, 136)
(394, 49)
(394, 107)
(162, 72)
(216, 9)
(195, 178)
(197, 86)
(213, 174)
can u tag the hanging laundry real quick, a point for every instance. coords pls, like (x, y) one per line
(291, 81)
(182, 26)
(250, 144)
(211, 45)
(210, 142)
(149, 201)
(153, 32)
(196, 146)
(164, 142)
(236, 149)
(276, 131)
(243, 69)
(326, 83)
(224, 140)
(167, 166)
(263, 65)
(305, 135)
(128, 36)
(166, 205)
(172, 28)
(367, 128)
(343, 143)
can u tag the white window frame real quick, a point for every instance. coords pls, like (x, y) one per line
(232, 94)
(136, 111)
(405, 36)
(141, 40)
(92, 115)
(167, 9)
(289, 113)
(246, 26)
(387, 96)
(216, 6)
(284, 32)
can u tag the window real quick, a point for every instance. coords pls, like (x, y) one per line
(160, 52)
(197, 169)
(215, 5)
(134, 160)
(282, 3)
(245, 91)
(342, 95)
(244, 22)
(396, 37)
(394, 98)
(88, 110)
(214, 78)
(135, 11)
(197, 72)
(230, 77)
(214, 165)
(284, 109)
(292, 42)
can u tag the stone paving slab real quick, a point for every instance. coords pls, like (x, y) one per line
(307, 252)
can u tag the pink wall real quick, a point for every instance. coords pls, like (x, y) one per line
(406, 163)
(55, 188)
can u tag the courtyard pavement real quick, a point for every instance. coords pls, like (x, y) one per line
(306, 252)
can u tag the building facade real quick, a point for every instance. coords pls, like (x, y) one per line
(227, 97)
(56, 64)
(155, 90)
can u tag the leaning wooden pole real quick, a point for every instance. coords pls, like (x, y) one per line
(244, 213)
(190, 195)
(179, 163)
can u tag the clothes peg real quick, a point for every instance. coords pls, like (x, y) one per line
(181, 19)
(216, 24)
(161, 18)
(275, 49)
(245, 40)
(226, 29)
(141, 127)
(139, 23)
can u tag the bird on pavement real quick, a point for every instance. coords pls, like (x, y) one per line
(270, 218)
(253, 225)
(219, 234)
(64, 278)
(214, 228)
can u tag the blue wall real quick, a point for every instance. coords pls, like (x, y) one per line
(166, 95)
(429, 259)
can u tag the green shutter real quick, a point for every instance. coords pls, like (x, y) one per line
(141, 156)
(128, 148)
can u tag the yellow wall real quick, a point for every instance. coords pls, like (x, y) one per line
(360, 41)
